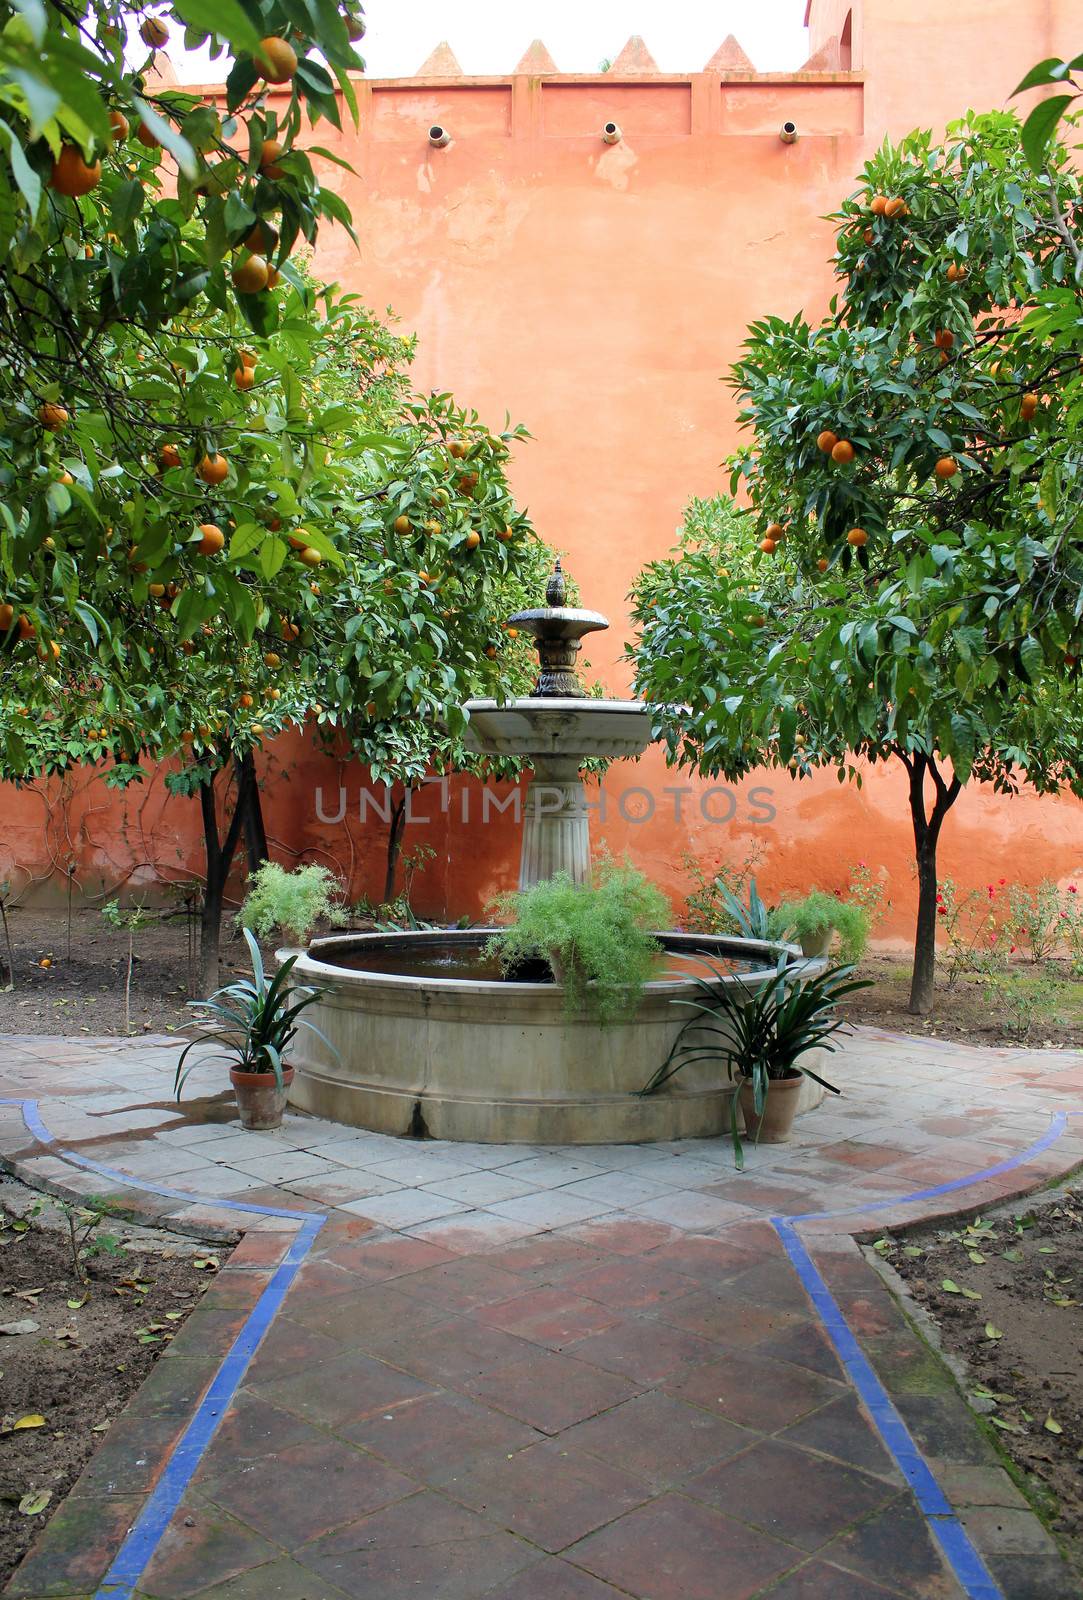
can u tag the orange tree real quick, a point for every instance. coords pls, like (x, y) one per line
(916, 508)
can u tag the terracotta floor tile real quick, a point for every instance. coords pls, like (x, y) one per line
(676, 1549)
(772, 1283)
(727, 1318)
(463, 1285)
(553, 1316)
(342, 1390)
(287, 1347)
(804, 1345)
(553, 1579)
(627, 1237)
(547, 1494)
(896, 1541)
(842, 1429)
(379, 1259)
(78, 1548)
(202, 1546)
(818, 1580)
(789, 1493)
(440, 1436)
(752, 1390)
(643, 1350)
(551, 1257)
(459, 1349)
(418, 1549)
(283, 1579)
(369, 1317)
(317, 1486)
(856, 1153)
(253, 1429)
(658, 1438)
(632, 1284)
(550, 1392)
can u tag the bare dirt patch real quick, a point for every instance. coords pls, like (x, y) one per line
(92, 1346)
(1028, 1005)
(1006, 1291)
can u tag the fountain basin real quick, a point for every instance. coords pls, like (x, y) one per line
(469, 1056)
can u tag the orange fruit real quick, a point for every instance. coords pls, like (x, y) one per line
(156, 589)
(262, 238)
(401, 524)
(896, 207)
(456, 449)
(250, 275)
(314, 588)
(295, 543)
(213, 539)
(956, 273)
(878, 205)
(868, 236)
(50, 651)
(310, 557)
(1028, 406)
(244, 377)
(119, 127)
(52, 417)
(433, 528)
(773, 530)
(147, 136)
(274, 694)
(247, 358)
(822, 564)
(768, 546)
(842, 452)
(826, 441)
(512, 633)
(943, 338)
(154, 32)
(212, 469)
(274, 278)
(473, 539)
(946, 467)
(65, 478)
(268, 158)
(245, 701)
(505, 535)
(466, 483)
(272, 659)
(491, 652)
(26, 628)
(276, 59)
(7, 617)
(857, 537)
(168, 456)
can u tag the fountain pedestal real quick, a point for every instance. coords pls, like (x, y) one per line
(556, 827)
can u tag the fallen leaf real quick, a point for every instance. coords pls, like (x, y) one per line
(993, 1332)
(206, 1263)
(102, 1427)
(32, 1505)
(175, 1316)
(27, 1325)
(977, 1257)
(882, 1245)
(33, 1419)
(1047, 1250)
(912, 1250)
(1008, 1427)
(74, 1305)
(969, 1294)
(1012, 1255)
(1051, 1425)
(950, 1286)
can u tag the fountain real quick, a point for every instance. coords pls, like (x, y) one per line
(557, 727)
(430, 1038)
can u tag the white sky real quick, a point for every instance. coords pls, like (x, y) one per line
(489, 36)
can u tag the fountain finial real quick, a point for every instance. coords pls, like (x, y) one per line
(556, 590)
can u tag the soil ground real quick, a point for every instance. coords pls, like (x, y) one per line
(1007, 1293)
(84, 994)
(93, 1345)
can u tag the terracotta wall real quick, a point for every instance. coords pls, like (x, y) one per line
(598, 293)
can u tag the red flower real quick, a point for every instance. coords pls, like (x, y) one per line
(1072, 888)
(942, 911)
(1003, 880)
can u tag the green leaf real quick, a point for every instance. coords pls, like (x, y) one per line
(1040, 126)
(27, 179)
(34, 1503)
(949, 1286)
(1051, 1425)
(225, 18)
(174, 142)
(1051, 70)
(993, 1332)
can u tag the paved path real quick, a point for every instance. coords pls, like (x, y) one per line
(518, 1373)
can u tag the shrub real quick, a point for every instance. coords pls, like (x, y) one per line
(595, 937)
(819, 913)
(708, 908)
(293, 901)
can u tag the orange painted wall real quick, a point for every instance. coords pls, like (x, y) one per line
(598, 293)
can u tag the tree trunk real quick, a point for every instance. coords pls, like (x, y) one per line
(394, 846)
(255, 829)
(927, 825)
(220, 853)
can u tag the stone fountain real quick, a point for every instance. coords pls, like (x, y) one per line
(557, 727)
(423, 1034)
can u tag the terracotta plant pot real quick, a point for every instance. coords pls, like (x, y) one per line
(779, 1109)
(259, 1099)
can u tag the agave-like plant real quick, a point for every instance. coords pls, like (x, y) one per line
(761, 1032)
(255, 1019)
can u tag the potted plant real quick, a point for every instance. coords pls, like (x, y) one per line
(816, 919)
(293, 901)
(254, 1020)
(762, 1031)
(594, 938)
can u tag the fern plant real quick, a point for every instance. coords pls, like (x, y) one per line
(595, 937)
(819, 914)
(292, 901)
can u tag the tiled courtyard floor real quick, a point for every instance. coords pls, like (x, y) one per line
(547, 1374)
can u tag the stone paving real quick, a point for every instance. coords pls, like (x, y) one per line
(576, 1374)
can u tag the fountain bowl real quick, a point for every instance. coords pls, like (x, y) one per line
(425, 1042)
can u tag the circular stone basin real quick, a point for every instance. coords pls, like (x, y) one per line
(429, 1040)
